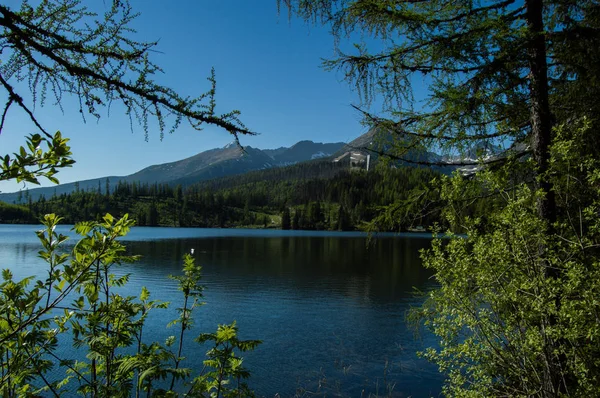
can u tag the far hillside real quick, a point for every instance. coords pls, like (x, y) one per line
(318, 195)
(233, 160)
(229, 160)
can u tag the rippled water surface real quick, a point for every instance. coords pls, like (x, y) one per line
(329, 307)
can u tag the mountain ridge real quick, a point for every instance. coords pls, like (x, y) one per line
(229, 160)
(232, 159)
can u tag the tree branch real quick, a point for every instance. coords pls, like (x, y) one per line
(396, 127)
(86, 77)
(14, 97)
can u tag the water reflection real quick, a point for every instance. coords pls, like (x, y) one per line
(330, 309)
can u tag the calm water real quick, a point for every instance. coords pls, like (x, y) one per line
(329, 307)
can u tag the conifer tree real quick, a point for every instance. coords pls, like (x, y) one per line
(498, 72)
(286, 222)
(522, 74)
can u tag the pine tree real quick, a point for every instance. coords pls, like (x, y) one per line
(286, 222)
(296, 220)
(522, 74)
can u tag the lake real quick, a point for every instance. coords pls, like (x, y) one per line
(329, 307)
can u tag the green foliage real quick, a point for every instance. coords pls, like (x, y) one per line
(14, 213)
(513, 299)
(78, 301)
(32, 161)
(189, 285)
(226, 374)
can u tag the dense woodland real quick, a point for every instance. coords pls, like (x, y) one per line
(312, 196)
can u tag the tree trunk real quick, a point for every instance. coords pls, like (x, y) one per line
(541, 117)
(554, 383)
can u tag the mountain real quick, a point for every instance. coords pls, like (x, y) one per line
(232, 160)
(275, 152)
(218, 162)
(377, 141)
(373, 139)
(487, 152)
(85, 185)
(305, 150)
(214, 163)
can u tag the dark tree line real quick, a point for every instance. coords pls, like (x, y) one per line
(310, 196)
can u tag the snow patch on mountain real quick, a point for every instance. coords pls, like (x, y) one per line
(319, 155)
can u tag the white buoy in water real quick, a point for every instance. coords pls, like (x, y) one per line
(192, 251)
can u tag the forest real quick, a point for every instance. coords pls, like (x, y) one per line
(318, 195)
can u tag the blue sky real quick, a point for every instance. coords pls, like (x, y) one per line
(267, 67)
